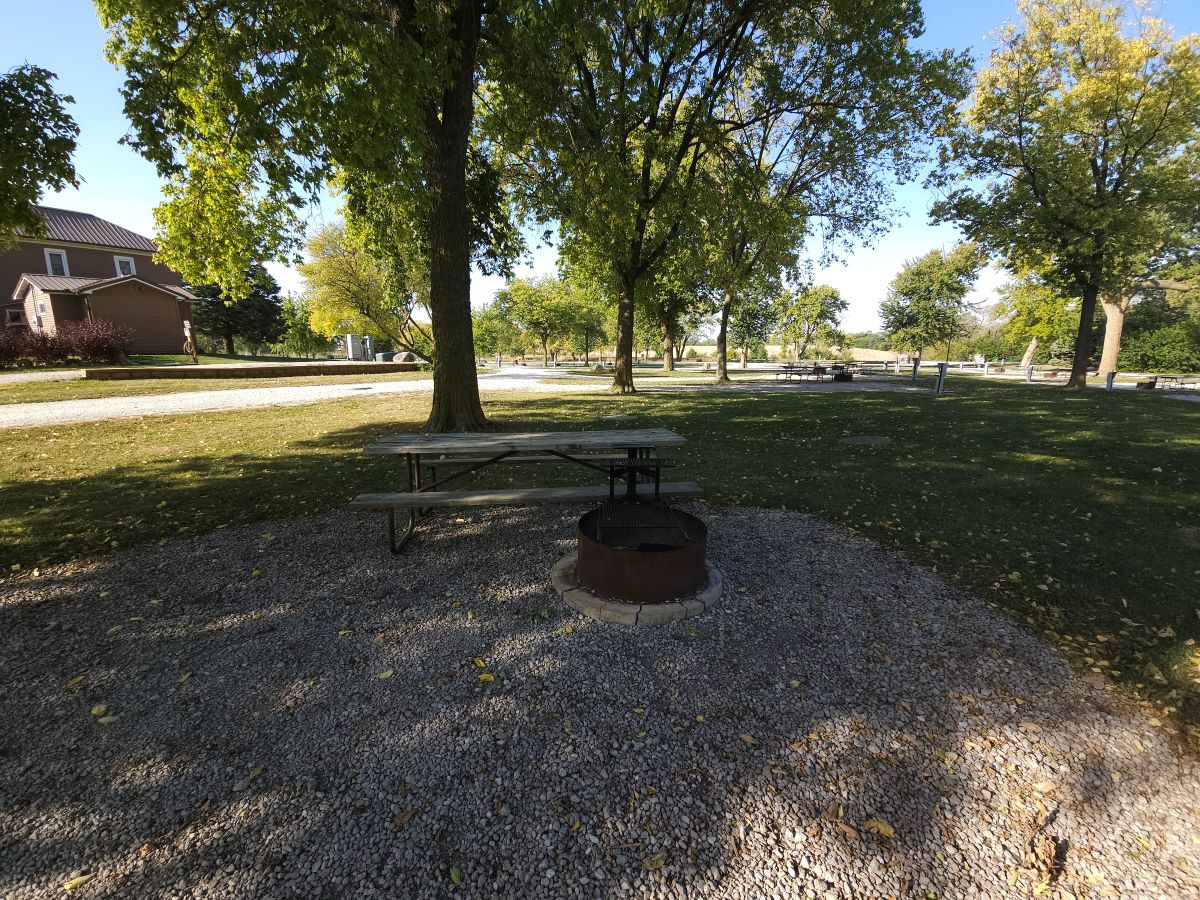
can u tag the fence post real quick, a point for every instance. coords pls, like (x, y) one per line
(941, 379)
(1108, 381)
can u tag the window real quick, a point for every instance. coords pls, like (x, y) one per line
(125, 265)
(56, 262)
(13, 317)
(41, 307)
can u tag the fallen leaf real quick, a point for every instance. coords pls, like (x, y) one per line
(700, 719)
(184, 677)
(107, 720)
(850, 833)
(456, 875)
(1031, 727)
(145, 850)
(639, 709)
(657, 861)
(257, 573)
(482, 663)
(794, 683)
(750, 740)
(405, 816)
(77, 882)
(99, 709)
(575, 826)
(487, 677)
(76, 681)
(387, 673)
(880, 827)
(342, 632)
(1044, 787)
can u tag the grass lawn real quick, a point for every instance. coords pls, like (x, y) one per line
(1078, 512)
(81, 389)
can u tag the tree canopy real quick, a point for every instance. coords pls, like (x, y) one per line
(350, 291)
(809, 314)
(634, 116)
(1077, 157)
(37, 141)
(249, 111)
(926, 301)
(256, 319)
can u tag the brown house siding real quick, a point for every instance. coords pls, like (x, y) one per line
(32, 300)
(156, 318)
(83, 262)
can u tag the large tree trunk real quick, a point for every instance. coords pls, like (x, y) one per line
(228, 336)
(456, 405)
(1083, 339)
(1114, 324)
(745, 356)
(723, 338)
(623, 353)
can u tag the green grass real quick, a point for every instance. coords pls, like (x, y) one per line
(1076, 512)
(83, 389)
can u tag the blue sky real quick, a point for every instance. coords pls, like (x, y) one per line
(65, 36)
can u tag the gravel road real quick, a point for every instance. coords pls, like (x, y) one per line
(286, 710)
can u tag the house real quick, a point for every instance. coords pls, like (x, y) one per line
(88, 269)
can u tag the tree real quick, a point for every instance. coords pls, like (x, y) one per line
(249, 111)
(350, 291)
(1078, 155)
(1034, 311)
(256, 319)
(37, 140)
(298, 338)
(810, 314)
(619, 156)
(496, 334)
(926, 301)
(540, 307)
(754, 320)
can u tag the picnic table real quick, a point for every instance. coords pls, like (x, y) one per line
(625, 454)
(788, 371)
(1176, 382)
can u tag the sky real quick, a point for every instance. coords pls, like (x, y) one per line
(65, 37)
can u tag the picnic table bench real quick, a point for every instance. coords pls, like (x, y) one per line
(1177, 382)
(625, 454)
(788, 371)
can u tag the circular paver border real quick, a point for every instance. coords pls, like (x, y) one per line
(576, 596)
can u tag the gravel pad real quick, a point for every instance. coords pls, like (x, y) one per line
(287, 710)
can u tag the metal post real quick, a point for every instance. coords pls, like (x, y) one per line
(941, 379)
(986, 367)
(1029, 375)
(1108, 381)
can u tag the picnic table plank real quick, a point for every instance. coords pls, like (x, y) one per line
(506, 496)
(500, 442)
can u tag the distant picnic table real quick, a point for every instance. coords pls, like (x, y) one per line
(815, 371)
(624, 453)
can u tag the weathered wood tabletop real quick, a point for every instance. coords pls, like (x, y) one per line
(515, 442)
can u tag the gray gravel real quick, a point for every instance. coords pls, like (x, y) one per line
(602, 761)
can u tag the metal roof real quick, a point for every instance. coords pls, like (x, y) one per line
(62, 284)
(83, 228)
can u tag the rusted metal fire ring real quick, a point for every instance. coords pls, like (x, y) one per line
(566, 582)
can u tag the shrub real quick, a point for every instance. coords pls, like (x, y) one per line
(42, 349)
(97, 342)
(12, 345)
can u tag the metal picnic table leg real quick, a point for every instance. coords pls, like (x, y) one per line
(414, 483)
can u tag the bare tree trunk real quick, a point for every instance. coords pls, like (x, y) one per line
(456, 405)
(623, 355)
(723, 338)
(1114, 324)
(1083, 339)
(545, 352)
(1027, 359)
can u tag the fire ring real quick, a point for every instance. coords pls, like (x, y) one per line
(605, 609)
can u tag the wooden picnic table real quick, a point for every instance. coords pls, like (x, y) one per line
(469, 452)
